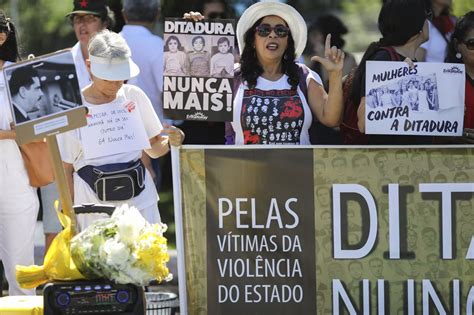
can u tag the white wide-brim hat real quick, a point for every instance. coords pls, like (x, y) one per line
(113, 69)
(261, 9)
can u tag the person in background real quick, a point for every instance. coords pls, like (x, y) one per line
(461, 50)
(19, 203)
(87, 18)
(404, 27)
(147, 50)
(108, 89)
(440, 29)
(214, 9)
(317, 32)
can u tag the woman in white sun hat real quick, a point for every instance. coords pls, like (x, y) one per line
(110, 64)
(276, 97)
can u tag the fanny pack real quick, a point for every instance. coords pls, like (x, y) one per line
(115, 182)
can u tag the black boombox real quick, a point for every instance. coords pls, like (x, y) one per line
(93, 297)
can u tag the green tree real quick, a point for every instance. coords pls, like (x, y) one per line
(360, 17)
(461, 7)
(42, 25)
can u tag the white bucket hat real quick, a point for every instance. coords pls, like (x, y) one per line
(261, 9)
(113, 69)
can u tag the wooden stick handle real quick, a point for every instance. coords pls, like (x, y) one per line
(64, 194)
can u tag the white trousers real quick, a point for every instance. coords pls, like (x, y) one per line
(18, 213)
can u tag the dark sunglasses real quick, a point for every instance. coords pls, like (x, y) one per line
(263, 30)
(469, 43)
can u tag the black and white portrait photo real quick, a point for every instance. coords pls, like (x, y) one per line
(43, 87)
(222, 60)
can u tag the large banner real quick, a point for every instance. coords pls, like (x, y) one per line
(326, 230)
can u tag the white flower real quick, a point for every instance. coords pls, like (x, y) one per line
(110, 248)
(130, 222)
(117, 254)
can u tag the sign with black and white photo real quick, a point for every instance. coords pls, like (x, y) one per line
(44, 96)
(198, 69)
(425, 100)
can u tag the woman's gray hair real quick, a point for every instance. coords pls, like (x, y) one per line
(110, 45)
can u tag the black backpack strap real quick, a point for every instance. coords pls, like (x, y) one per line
(394, 56)
(303, 72)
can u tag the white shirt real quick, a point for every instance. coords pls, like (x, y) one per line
(147, 53)
(83, 76)
(72, 151)
(9, 153)
(273, 115)
(436, 47)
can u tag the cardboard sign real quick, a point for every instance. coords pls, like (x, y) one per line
(425, 100)
(44, 96)
(119, 127)
(198, 69)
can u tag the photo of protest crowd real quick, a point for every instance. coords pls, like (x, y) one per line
(417, 92)
(293, 82)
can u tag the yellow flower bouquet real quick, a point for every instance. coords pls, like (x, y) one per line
(124, 248)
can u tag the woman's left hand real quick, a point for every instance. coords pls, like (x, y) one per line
(333, 59)
(175, 135)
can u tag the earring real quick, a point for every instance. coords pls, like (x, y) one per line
(458, 55)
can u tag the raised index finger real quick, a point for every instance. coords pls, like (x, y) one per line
(327, 46)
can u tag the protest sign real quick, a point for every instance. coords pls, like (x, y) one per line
(425, 100)
(198, 69)
(44, 96)
(120, 129)
(336, 231)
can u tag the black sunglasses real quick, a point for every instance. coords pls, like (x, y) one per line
(263, 30)
(469, 43)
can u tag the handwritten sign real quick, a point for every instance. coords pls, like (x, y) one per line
(425, 100)
(113, 128)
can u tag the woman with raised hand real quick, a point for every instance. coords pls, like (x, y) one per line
(275, 97)
(110, 65)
